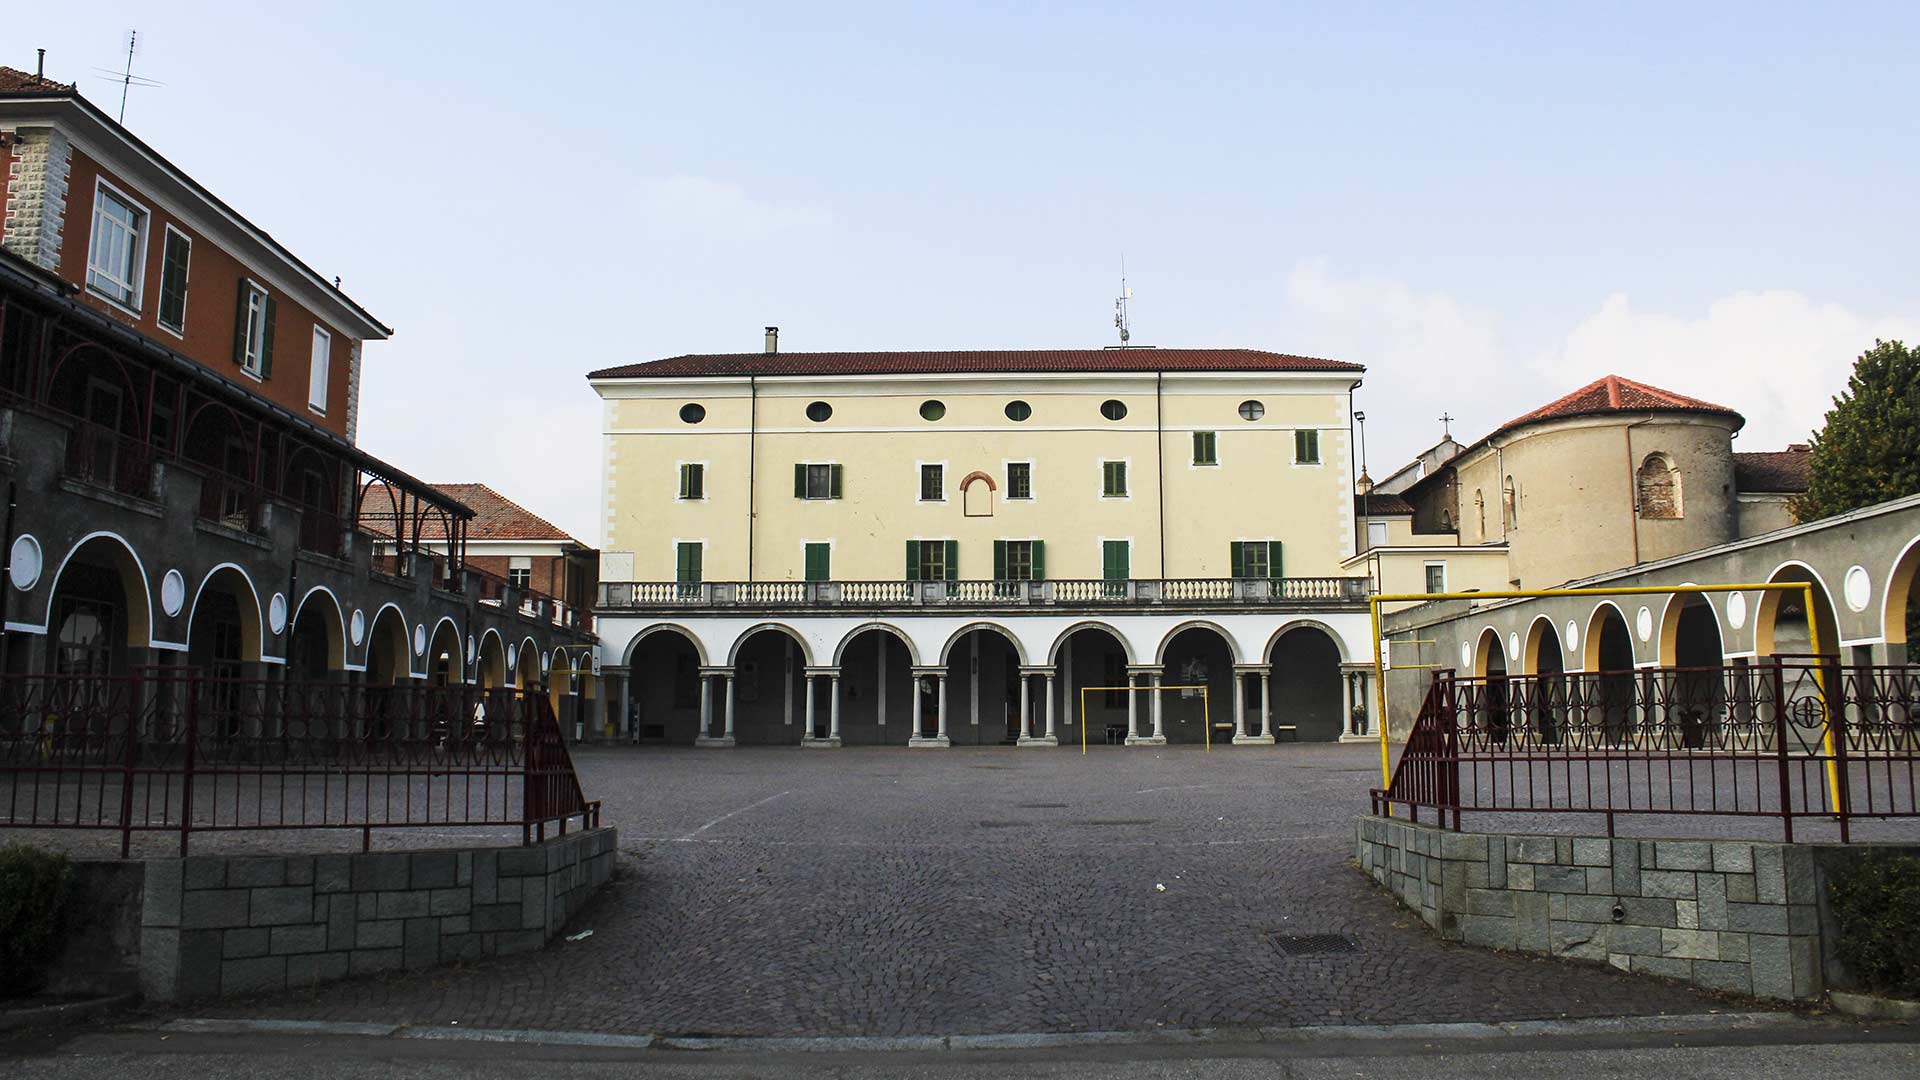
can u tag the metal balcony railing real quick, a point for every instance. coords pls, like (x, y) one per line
(618, 595)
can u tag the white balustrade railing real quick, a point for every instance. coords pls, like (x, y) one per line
(617, 595)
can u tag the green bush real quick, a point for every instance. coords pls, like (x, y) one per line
(33, 890)
(1876, 902)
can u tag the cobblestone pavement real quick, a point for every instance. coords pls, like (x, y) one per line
(896, 891)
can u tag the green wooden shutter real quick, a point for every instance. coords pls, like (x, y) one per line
(799, 481)
(1236, 560)
(1114, 561)
(240, 327)
(953, 560)
(1039, 560)
(699, 481)
(687, 569)
(266, 341)
(1273, 560)
(913, 560)
(173, 281)
(999, 560)
(833, 481)
(819, 562)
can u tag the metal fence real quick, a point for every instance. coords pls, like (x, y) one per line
(1786, 738)
(174, 750)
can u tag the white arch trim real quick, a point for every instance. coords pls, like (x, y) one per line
(792, 633)
(1886, 587)
(406, 634)
(626, 655)
(1013, 639)
(1770, 602)
(1668, 611)
(1166, 639)
(1530, 645)
(146, 586)
(1060, 639)
(259, 613)
(846, 639)
(1273, 642)
(1483, 656)
(1590, 639)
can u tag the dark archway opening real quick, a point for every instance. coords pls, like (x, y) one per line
(1091, 656)
(983, 690)
(877, 689)
(1197, 656)
(1306, 686)
(769, 703)
(664, 696)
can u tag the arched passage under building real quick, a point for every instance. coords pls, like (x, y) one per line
(97, 616)
(1606, 689)
(446, 656)
(983, 687)
(1305, 674)
(1693, 695)
(389, 653)
(1780, 624)
(1091, 654)
(663, 678)
(1900, 607)
(1196, 655)
(879, 696)
(769, 684)
(317, 644)
(490, 668)
(1543, 659)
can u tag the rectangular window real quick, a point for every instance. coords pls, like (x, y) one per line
(687, 568)
(118, 248)
(1254, 559)
(174, 259)
(1018, 560)
(819, 562)
(933, 483)
(933, 560)
(1113, 479)
(1203, 451)
(1116, 565)
(816, 481)
(1376, 534)
(317, 371)
(253, 330)
(693, 480)
(520, 577)
(1306, 448)
(1436, 577)
(1020, 480)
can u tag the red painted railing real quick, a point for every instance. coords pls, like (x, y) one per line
(175, 751)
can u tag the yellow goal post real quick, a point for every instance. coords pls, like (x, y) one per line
(1206, 707)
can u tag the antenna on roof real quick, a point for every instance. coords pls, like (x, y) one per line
(1120, 305)
(126, 78)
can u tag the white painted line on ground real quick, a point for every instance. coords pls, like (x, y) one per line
(213, 1025)
(543, 1038)
(729, 814)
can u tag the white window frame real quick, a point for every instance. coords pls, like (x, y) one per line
(919, 485)
(323, 369)
(1429, 565)
(1319, 452)
(810, 465)
(1102, 480)
(137, 286)
(254, 353)
(511, 559)
(679, 465)
(1033, 490)
(181, 331)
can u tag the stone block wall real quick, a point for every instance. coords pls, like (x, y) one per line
(214, 925)
(1725, 915)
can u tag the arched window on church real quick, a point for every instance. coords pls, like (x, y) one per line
(1510, 505)
(1480, 511)
(1659, 488)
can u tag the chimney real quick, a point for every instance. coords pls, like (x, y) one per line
(773, 339)
(40, 70)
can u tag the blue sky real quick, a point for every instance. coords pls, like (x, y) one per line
(1488, 205)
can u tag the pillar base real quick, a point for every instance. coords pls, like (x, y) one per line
(1350, 737)
(929, 740)
(1253, 740)
(714, 742)
(1039, 740)
(1146, 740)
(831, 742)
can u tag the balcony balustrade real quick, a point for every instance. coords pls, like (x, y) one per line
(1326, 591)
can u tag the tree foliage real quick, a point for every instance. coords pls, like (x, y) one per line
(1869, 449)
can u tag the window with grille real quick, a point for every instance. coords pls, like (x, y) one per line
(1306, 447)
(1019, 560)
(1113, 479)
(816, 481)
(933, 560)
(933, 482)
(1203, 449)
(1020, 480)
(1436, 577)
(693, 480)
(115, 255)
(1255, 559)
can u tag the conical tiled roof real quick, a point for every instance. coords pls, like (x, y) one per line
(1614, 394)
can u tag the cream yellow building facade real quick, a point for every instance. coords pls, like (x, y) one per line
(1191, 509)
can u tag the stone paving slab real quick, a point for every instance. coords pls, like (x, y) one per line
(888, 892)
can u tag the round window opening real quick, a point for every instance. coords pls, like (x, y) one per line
(819, 411)
(1113, 409)
(1018, 411)
(693, 413)
(1252, 410)
(932, 410)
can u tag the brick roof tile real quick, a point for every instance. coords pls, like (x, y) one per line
(1786, 472)
(495, 517)
(1614, 394)
(972, 362)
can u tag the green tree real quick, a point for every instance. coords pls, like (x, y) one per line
(1869, 449)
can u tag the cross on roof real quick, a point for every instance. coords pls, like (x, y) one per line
(1446, 421)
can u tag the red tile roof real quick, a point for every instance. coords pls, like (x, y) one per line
(1786, 471)
(972, 362)
(1381, 504)
(495, 517)
(13, 80)
(1614, 394)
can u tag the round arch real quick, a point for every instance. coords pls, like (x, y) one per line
(446, 640)
(333, 623)
(127, 565)
(1604, 614)
(528, 665)
(1683, 629)
(1060, 640)
(626, 657)
(840, 648)
(946, 651)
(490, 660)
(1897, 594)
(733, 651)
(1339, 643)
(1542, 637)
(1486, 648)
(1166, 639)
(389, 644)
(252, 633)
(1776, 602)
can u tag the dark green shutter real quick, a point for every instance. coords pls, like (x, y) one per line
(688, 569)
(953, 560)
(913, 560)
(1039, 560)
(173, 281)
(819, 558)
(799, 481)
(1273, 559)
(266, 341)
(833, 481)
(999, 560)
(1114, 560)
(1236, 560)
(240, 326)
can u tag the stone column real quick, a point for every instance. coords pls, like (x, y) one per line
(1242, 729)
(707, 736)
(1239, 705)
(1052, 731)
(1026, 715)
(942, 714)
(880, 681)
(706, 705)
(1026, 706)
(1132, 727)
(1266, 702)
(1155, 694)
(919, 737)
(1356, 679)
(833, 708)
(806, 712)
(726, 687)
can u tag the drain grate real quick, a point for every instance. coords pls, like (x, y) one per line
(1314, 944)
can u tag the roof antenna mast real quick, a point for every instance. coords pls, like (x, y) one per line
(126, 78)
(1120, 305)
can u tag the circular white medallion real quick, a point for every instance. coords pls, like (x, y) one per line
(277, 613)
(511, 653)
(173, 592)
(357, 626)
(1513, 645)
(1573, 635)
(25, 562)
(1737, 610)
(1643, 623)
(1466, 657)
(419, 638)
(1859, 588)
